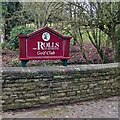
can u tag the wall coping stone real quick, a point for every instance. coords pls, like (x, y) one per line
(59, 68)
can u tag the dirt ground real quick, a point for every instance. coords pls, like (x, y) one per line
(105, 108)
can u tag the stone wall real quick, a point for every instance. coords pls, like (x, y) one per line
(40, 86)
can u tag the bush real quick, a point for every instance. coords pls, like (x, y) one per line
(13, 40)
(14, 63)
(118, 38)
(3, 45)
(118, 42)
(118, 33)
(119, 46)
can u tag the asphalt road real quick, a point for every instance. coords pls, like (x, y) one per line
(106, 108)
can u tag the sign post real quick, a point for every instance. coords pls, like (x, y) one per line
(44, 44)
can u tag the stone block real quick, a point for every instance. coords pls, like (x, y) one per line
(60, 99)
(55, 84)
(44, 99)
(58, 95)
(19, 101)
(73, 93)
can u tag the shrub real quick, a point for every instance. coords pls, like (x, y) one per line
(14, 63)
(118, 42)
(119, 46)
(13, 40)
(118, 33)
(2, 45)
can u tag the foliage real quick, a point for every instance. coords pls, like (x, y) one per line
(78, 19)
(118, 38)
(101, 15)
(15, 63)
(11, 16)
(119, 47)
(13, 41)
(42, 13)
(118, 33)
(3, 45)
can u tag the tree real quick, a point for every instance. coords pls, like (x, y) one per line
(42, 12)
(10, 14)
(74, 26)
(102, 15)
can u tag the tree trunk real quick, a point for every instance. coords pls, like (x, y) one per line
(114, 45)
(118, 49)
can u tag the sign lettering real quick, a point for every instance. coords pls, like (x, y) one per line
(47, 46)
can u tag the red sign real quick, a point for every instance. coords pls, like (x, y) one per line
(44, 44)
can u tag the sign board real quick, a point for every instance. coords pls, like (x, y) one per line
(44, 44)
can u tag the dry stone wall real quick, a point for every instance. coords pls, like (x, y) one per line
(40, 86)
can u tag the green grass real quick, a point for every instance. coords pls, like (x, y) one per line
(86, 39)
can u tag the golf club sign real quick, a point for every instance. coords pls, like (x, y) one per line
(43, 44)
